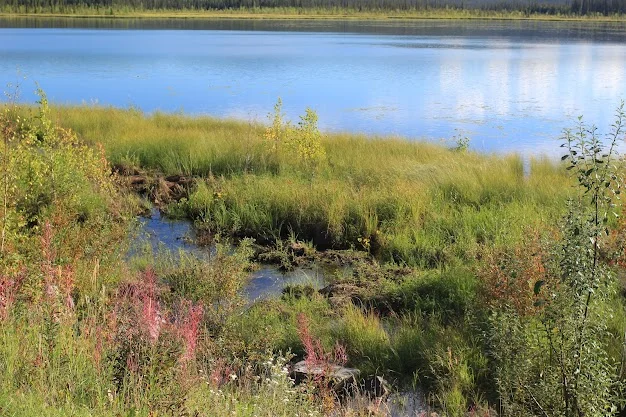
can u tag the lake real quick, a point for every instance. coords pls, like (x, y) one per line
(507, 86)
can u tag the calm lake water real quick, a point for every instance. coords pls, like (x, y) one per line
(508, 86)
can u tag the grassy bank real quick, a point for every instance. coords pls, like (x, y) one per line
(412, 202)
(304, 13)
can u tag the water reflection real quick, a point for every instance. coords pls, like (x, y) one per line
(509, 86)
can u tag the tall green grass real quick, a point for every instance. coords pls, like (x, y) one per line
(415, 202)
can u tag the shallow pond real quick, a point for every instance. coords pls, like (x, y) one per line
(508, 86)
(176, 235)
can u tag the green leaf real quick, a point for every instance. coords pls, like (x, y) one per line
(538, 286)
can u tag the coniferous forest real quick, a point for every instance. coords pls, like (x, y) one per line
(550, 7)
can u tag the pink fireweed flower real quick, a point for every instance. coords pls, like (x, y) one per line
(312, 347)
(137, 311)
(150, 314)
(9, 288)
(189, 330)
(151, 318)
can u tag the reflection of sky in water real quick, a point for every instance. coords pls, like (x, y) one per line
(267, 281)
(161, 233)
(505, 92)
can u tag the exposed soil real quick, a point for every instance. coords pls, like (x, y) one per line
(159, 189)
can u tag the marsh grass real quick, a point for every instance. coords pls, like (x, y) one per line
(415, 202)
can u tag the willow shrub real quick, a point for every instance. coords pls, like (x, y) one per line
(548, 333)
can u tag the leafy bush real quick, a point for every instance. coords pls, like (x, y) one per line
(548, 331)
(49, 176)
(302, 143)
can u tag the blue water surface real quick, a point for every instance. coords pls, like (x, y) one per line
(508, 86)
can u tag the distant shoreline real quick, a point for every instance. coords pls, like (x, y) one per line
(321, 14)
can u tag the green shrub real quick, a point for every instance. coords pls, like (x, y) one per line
(548, 336)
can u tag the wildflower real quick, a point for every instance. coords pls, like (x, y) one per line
(151, 318)
(189, 330)
(150, 314)
(110, 395)
(9, 287)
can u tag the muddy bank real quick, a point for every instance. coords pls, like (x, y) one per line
(159, 189)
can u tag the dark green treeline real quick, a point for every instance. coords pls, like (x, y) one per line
(575, 7)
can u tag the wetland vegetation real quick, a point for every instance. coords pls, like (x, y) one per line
(489, 283)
